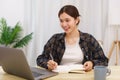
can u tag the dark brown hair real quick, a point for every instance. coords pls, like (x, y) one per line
(70, 10)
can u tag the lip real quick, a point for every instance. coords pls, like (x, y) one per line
(66, 28)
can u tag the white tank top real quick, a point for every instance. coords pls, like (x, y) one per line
(72, 55)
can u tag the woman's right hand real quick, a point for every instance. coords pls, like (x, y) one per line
(51, 65)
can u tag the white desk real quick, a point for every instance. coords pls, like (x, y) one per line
(5, 76)
(115, 75)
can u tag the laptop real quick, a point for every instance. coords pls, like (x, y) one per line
(13, 61)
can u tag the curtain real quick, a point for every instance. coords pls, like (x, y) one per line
(41, 18)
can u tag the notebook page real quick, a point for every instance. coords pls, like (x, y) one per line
(68, 68)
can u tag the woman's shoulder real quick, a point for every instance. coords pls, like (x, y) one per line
(58, 35)
(86, 35)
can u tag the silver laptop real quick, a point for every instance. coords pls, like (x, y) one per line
(13, 61)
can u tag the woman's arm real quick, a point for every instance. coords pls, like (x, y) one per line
(45, 56)
(97, 55)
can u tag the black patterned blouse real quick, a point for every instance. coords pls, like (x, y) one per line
(90, 47)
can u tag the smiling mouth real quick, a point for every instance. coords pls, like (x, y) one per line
(66, 29)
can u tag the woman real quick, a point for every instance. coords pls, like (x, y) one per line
(72, 46)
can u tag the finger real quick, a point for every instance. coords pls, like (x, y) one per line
(85, 65)
(55, 65)
(88, 68)
(50, 67)
(52, 64)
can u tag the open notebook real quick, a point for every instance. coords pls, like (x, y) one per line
(76, 68)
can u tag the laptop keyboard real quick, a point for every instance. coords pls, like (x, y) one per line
(36, 74)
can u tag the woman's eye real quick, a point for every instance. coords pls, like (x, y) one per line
(61, 21)
(67, 20)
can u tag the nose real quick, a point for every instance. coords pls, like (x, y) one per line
(63, 24)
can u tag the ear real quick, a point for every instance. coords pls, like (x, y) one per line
(77, 20)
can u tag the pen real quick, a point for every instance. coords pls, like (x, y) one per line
(51, 56)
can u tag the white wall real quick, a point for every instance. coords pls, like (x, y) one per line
(12, 11)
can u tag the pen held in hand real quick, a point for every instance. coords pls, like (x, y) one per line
(51, 57)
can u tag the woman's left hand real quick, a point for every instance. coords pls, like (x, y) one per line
(88, 65)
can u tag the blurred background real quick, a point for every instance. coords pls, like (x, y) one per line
(41, 18)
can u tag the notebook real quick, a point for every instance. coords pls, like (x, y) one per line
(13, 61)
(75, 68)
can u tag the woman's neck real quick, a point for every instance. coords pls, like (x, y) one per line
(72, 37)
(73, 34)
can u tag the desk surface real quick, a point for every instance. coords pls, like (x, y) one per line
(115, 75)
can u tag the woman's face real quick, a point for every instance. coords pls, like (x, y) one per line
(68, 23)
